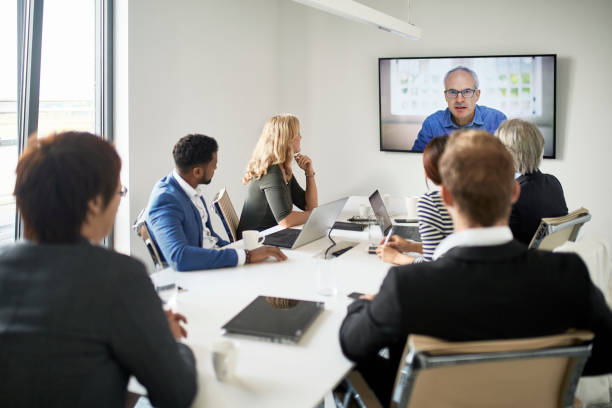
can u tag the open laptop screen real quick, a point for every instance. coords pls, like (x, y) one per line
(380, 211)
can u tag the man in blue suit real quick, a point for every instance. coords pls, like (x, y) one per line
(178, 217)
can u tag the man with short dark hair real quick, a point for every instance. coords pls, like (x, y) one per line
(178, 216)
(482, 284)
(461, 94)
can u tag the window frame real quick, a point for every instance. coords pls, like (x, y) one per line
(29, 45)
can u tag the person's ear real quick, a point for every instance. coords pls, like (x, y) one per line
(517, 192)
(94, 206)
(197, 172)
(477, 95)
(447, 198)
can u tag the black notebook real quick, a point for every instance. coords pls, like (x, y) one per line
(280, 320)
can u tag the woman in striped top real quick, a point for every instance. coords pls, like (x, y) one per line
(435, 223)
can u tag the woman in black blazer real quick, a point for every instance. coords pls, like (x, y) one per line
(541, 194)
(77, 319)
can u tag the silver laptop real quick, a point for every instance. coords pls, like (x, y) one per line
(318, 224)
(404, 231)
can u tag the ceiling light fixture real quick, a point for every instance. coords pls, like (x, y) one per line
(356, 11)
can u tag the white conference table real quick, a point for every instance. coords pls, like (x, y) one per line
(270, 374)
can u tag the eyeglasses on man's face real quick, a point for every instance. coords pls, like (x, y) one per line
(123, 191)
(453, 93)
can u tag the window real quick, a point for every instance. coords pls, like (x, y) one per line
(55, 76)
(8, 118)
(68, 67)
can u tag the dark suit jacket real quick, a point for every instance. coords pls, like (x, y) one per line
(541, 197)
(176, 227)
(75, 322)
(476, 293)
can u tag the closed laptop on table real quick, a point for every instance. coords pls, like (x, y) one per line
(280, 320)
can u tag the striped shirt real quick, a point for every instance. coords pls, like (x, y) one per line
(435, 223)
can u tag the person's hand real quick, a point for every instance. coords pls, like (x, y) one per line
(386, 253)
(400, 244)
(304, 162)
(263, 252)
(395, 242)
(367, 297)
(174, 320)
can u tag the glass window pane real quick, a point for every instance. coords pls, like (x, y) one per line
(8, 118)
(68, 67)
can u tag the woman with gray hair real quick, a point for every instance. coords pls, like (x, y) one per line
(541, 194)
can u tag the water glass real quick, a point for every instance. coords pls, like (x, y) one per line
(326, 274)
(166, 287)
(375, 234)
(223, 356)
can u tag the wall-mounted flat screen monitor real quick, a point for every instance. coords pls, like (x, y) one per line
(417, 104)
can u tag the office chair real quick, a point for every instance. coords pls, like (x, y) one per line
(225, 210)
(554, 232)
(534, 372)
(141, 228)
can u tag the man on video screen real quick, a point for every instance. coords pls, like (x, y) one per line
(461, 93)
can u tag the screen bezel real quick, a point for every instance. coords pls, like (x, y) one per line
(554, 124)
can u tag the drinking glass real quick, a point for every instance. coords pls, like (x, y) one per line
(166, 287)
(326, 274)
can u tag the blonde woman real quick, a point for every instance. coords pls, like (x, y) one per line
(272, 187)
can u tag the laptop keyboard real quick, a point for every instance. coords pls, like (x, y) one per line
(283, 238)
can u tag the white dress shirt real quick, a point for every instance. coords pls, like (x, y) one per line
(196, 196)
(487, 236)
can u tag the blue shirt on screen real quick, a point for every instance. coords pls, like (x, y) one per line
(440, 124)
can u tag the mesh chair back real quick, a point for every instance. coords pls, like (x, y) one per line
(142, 230)
(554, 232)
(225, 210)
(538, 372)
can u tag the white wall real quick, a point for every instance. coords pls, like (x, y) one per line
(329, 73)
(223, 67)
(198, 66)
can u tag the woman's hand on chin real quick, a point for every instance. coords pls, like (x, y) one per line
(304, 162)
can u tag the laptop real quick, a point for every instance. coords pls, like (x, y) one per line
(280, 320)
(318, 224)
(404, 231)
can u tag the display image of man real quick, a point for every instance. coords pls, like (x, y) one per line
(461, 93)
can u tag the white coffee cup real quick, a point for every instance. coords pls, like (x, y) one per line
(387, 200)
(251, 239)
(411, 207)
(223, 355)
(363, 210)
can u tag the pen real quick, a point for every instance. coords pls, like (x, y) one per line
(388, 235)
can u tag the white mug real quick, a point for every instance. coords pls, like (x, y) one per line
(387, 200)
(411, 207)
(363, 210)
(223, 355)
(251, 239)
